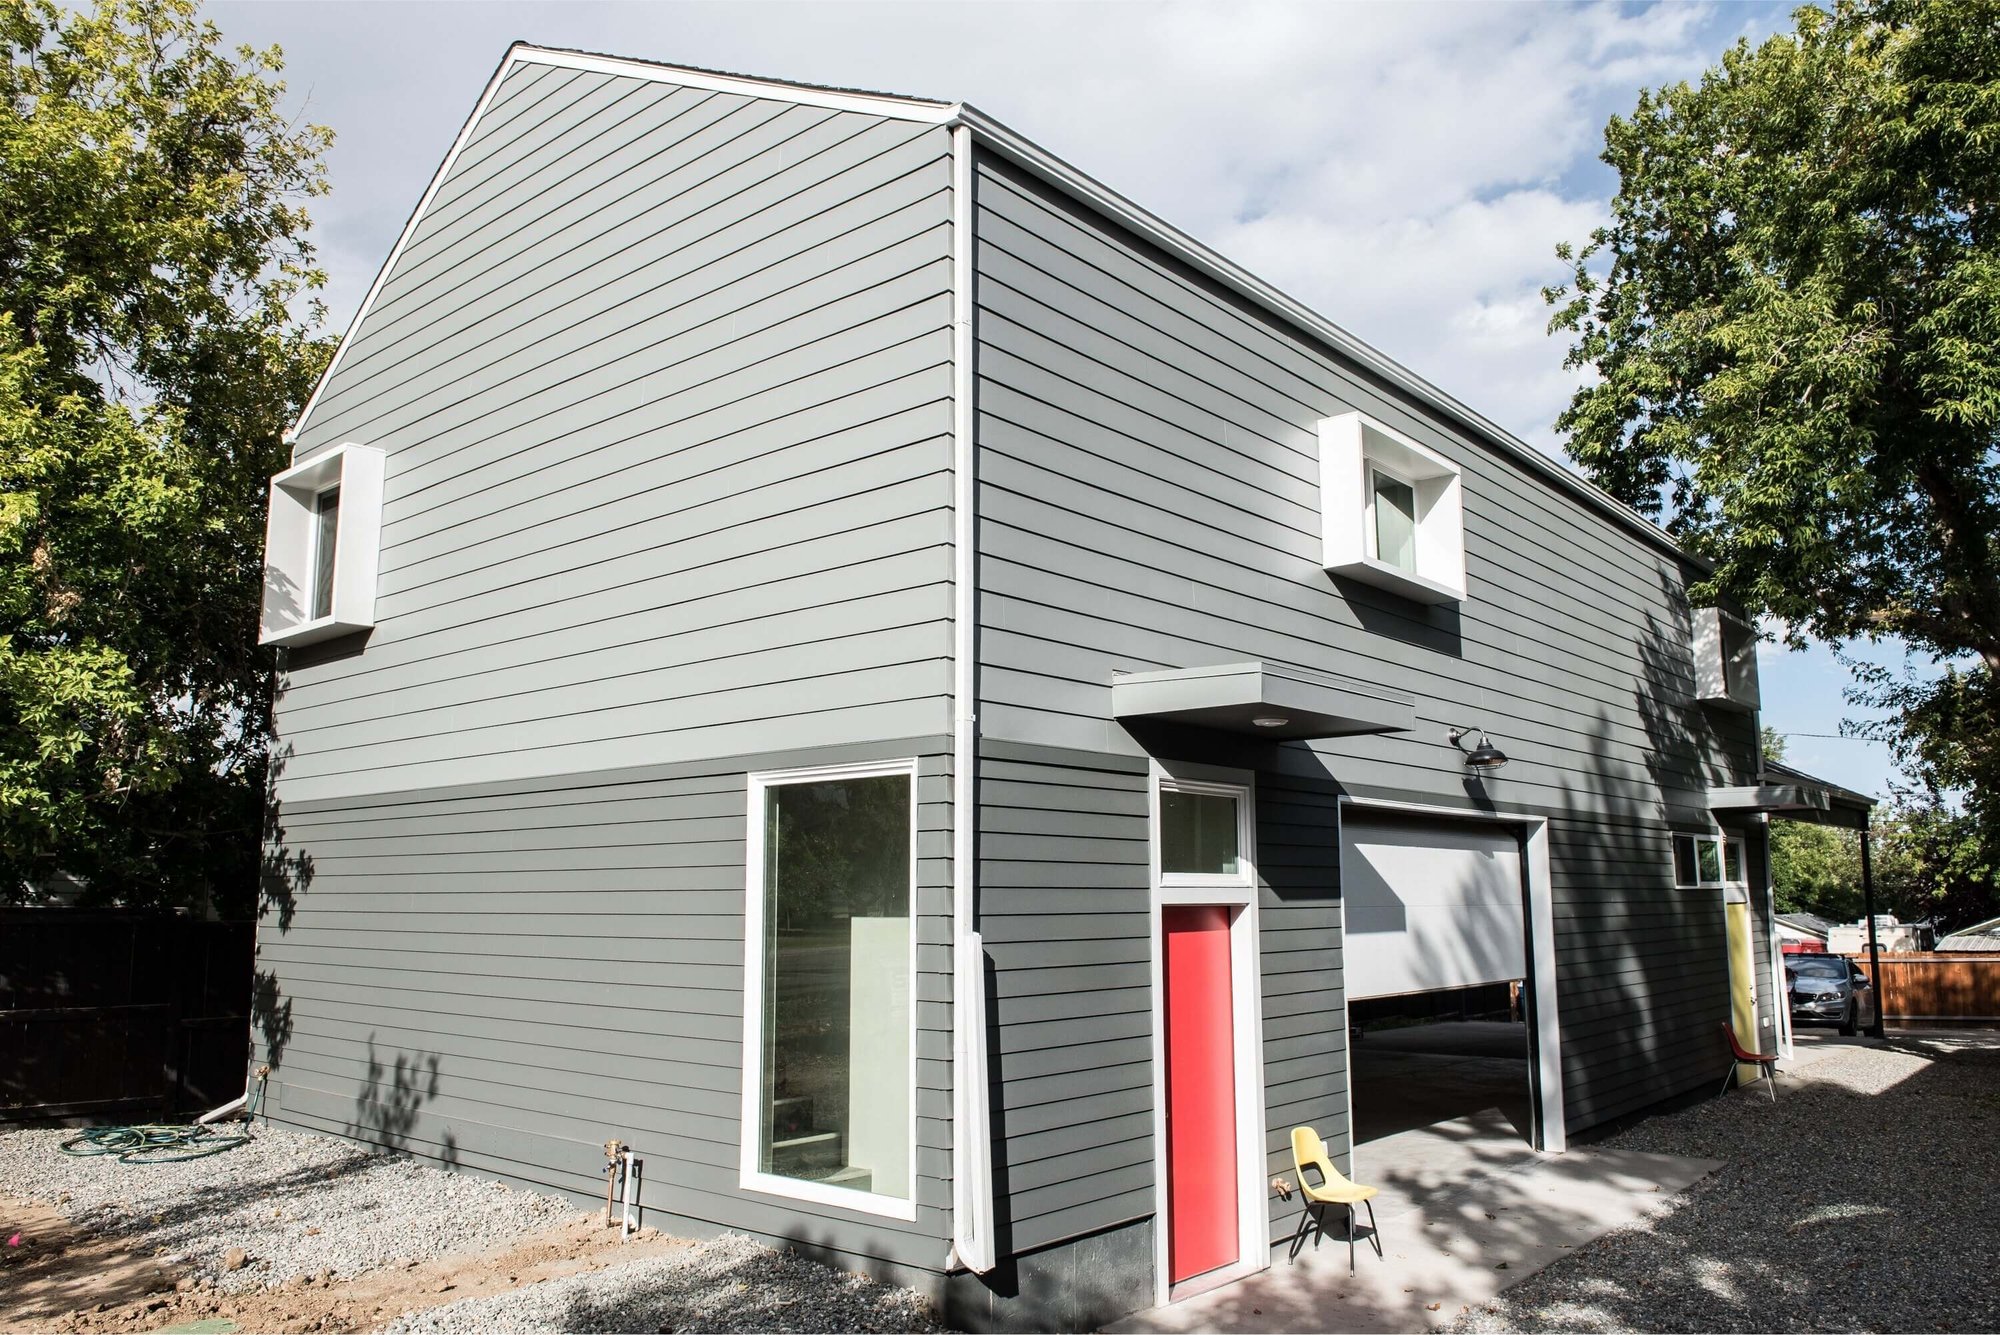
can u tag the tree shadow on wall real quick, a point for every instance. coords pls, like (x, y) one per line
(285, 874)
(392, 1098)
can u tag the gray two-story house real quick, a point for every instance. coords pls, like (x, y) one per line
(824, 644)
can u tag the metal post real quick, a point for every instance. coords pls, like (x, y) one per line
(1875, 1030)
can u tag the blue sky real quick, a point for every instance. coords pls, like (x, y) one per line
(1406, 169)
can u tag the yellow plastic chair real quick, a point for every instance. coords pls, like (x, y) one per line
(1309, 1151)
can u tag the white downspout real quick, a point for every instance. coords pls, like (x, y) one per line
(971, 1120)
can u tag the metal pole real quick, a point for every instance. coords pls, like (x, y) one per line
(1874, 946)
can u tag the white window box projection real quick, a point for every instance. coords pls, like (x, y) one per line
(1391, 511)
(1725, 660)
(322, 545)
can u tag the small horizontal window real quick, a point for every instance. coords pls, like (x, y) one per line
(1198, 835)
(1707, 861)
(1203, 834)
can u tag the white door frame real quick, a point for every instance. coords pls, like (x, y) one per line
(1239, 895)
(1545, 1082)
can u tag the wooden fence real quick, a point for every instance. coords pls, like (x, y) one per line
(1924, 985)
(109, 1013)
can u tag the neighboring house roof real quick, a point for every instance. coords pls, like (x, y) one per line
(1979, 936)
(1810, 923)
(1099, 197)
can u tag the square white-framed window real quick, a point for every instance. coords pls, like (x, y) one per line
(1203, 837)
(1708, 862)
(1725, 660)
(1391, 510)
(322, 547)
(829, 987)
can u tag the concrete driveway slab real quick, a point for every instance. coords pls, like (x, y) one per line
(1447, 1247)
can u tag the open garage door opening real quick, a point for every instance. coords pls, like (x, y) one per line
(1440, 996)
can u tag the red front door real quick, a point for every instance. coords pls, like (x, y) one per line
(1201, 1092)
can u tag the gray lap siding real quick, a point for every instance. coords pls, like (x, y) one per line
(505, 976)
(663, 379)
(1148, 466)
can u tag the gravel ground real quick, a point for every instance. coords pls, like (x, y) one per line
(1863, 1200)
(728, 1283)
(299, 1204)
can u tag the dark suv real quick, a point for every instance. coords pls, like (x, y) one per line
(1829, 987)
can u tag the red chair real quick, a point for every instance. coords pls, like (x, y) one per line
(1767, 1060)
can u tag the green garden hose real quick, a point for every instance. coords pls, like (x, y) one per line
(159, 1142)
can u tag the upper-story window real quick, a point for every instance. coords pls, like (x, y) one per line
(326, 549)
(1391, 512)
(1392, 506)
(1725, 659)
(322, 546)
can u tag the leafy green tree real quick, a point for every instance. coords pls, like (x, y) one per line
(1793, 323)
(1931, 863)
(1816, 869)
(157, 331)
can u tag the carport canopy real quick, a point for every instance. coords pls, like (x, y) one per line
(1792, 794)
(1273, 701)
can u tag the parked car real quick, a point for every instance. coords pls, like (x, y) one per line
(1829, 987)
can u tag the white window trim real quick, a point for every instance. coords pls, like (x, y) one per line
(1239, 895)
(1195, 888)
(750, 1134)
(1722, 882)
(1352, 447)
(291, 546)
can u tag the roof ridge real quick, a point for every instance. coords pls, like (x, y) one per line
(733, 74)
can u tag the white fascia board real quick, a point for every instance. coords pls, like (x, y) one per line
(922, 110)
(520, 53)
(1108, 202)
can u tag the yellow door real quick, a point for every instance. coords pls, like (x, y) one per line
(1742, 987)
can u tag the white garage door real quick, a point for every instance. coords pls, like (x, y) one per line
(1430, 906)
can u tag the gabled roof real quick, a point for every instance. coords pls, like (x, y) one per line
(1039, 162)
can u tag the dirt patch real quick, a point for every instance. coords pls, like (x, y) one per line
(49, 1267)
(76, 1285)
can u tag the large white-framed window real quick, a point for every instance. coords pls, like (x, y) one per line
(829, 986)
(1391, 510)
(1708, 862)
(322, 546)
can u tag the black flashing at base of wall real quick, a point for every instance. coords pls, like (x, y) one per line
(1076, 1285)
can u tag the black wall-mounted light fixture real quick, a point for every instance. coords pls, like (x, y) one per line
(1482, 757)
